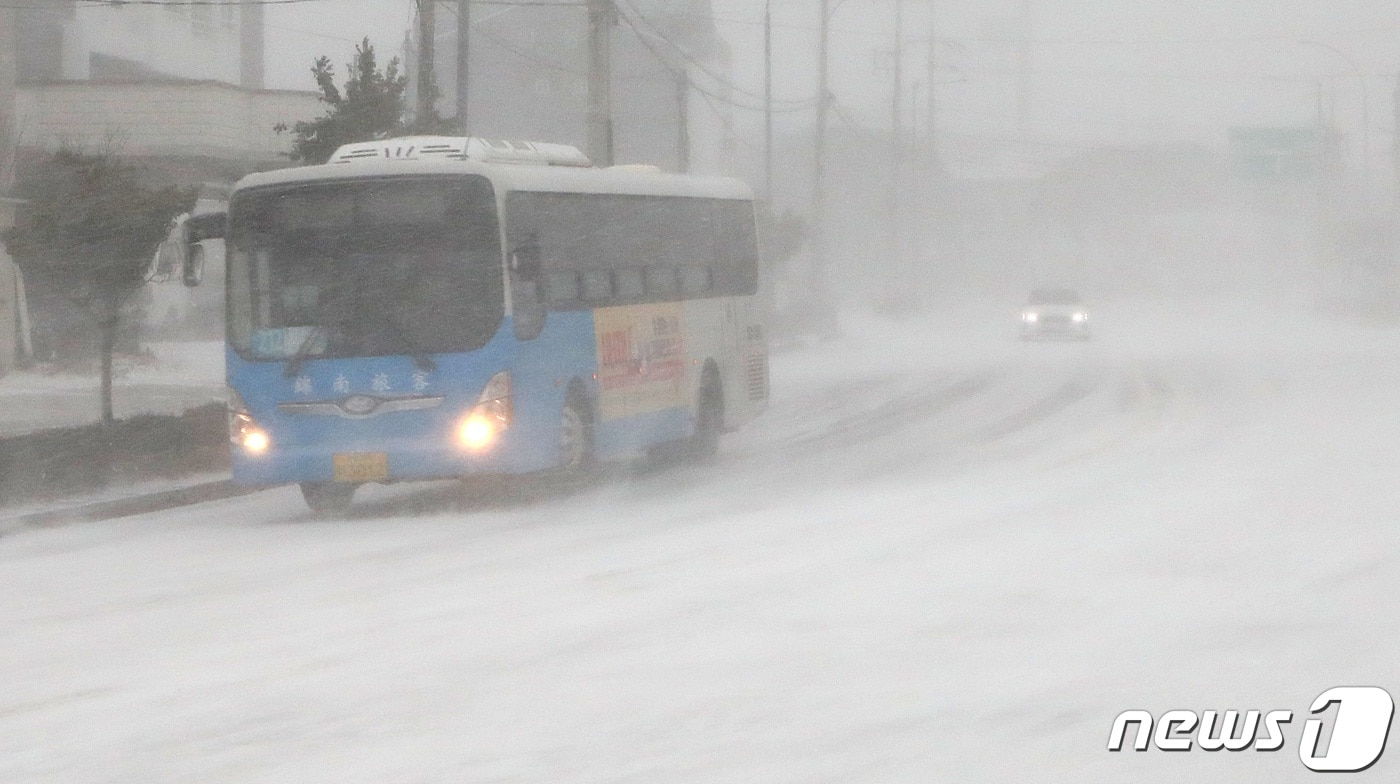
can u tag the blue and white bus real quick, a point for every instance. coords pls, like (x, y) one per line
(435, 307)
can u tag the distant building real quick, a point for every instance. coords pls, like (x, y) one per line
(176, 85)
(528, 79)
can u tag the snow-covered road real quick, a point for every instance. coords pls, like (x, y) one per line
(943, 555)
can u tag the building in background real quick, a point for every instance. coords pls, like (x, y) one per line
(529, 79)
(178, 86)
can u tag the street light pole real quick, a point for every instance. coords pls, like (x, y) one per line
(9, 123)
(1365, 106)
(897, 150)
(600, 130)
(768, 100)
(427, 28)
(818, 233)
(464, 32)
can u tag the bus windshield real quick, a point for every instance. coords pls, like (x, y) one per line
(364, 268)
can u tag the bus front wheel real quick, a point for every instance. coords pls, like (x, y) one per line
(328, 499)
(575, 436)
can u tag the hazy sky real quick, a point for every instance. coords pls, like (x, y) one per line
(1131, 70)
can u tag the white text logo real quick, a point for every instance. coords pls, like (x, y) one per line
(1354, 741)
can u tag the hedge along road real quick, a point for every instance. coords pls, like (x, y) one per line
(1192, 511)
(170, 434)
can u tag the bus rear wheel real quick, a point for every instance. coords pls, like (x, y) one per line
(709, 420)
(575, 436)
(328, 499)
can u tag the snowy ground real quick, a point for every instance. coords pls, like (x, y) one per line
(943, 555)
(184, 375)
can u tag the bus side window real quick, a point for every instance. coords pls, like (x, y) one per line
(527, 287)
(562, 289)
(696, 280)
(735, 247)
(597, 285)
(662, 285)
(629, 284)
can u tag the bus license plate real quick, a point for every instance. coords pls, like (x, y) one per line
(361, 467)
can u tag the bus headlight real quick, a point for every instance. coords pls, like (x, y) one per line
(255, 441)
(490, 417)
(243, 430)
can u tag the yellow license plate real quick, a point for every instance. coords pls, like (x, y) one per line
(361, 467)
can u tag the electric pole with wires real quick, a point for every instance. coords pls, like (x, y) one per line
(898, 275)
(823, 310)
(427, 28)
(1395, 142)
(768, 100)
(464, 30)
(601, 18)
(682, 120)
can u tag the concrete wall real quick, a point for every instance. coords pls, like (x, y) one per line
(529, 80)
(140, 119)
(183, 40)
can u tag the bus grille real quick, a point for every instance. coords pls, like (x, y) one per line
(756, 373)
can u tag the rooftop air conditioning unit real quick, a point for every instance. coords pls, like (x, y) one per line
(465, 148)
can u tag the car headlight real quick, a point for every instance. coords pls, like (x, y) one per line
(1080, 317)
(1030, 317)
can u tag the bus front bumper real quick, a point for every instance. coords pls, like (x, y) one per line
(361, 466)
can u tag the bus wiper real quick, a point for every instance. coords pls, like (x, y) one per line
(294, 365)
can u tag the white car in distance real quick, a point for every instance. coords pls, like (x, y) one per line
(1054, 314)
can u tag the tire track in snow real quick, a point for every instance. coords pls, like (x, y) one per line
(1042, 410)
(889, 417)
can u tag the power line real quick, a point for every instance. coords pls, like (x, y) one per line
(121, 3)
(666, 63)
(514, 48)
(703, 68)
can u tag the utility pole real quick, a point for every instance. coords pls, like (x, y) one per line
(464, 34)
(599, 119)
(768, 100)
(819, 292)
(9, 122)
(251, 45)
(932, 100)
(1023, 70)
(427, 27)
(1395, 141)
(1320, 287)
(897, 276)
(683, 119)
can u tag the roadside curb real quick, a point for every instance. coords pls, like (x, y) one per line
(98, 511)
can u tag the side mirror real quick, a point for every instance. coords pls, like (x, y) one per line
(193, 272)
(525, 262)
(196, 229)
(169, 253)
